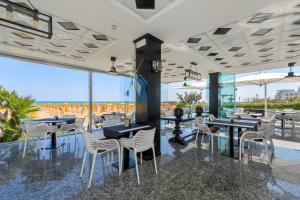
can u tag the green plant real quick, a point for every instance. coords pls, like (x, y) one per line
(197, 106)
(181, 104)
(189, 98)
(15, 108)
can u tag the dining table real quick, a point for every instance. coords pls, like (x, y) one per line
(55, 122)
(177, 129)
(119, 131)
(282, 115)
(231, 124)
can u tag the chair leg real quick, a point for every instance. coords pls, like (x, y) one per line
(92, 170)
(136, 167)
(83, 163)
(24, 149)
(212, 143)
(120, 161)
(197, 136)
(112, 157)
(202, 138)
(240, 151)
(154, 159)
(141, 154)
(44, 148)
(121, 157)
(267, 152)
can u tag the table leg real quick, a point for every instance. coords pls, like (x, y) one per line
(231, 142)
(53, 140)
(177, 132)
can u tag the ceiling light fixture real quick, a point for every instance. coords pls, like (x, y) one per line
(33, 22)
(291, 73)
(191, 74)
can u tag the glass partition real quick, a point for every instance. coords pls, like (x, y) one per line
(226, 94)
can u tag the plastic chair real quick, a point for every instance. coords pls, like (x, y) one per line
(36, 130)
(96, 147)
(142, 141)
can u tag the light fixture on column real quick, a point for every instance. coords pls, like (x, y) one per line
(113, 68)
(25, 19)
(156, 66)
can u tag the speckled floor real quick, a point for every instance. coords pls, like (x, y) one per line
(184, 172)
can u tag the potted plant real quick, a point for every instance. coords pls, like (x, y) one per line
(198, 109)
(178, 111)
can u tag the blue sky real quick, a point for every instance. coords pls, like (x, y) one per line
(48, 83)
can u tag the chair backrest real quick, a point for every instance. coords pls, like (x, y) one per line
(80, 124)
(34, 129)
(92, 144)
(23, 121)
(201, 125)
(230, 115)
(143, 140)
(68, 127)
(212, 117)
(113, 122)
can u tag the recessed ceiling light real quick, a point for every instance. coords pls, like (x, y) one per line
(295, 35)
(234, 48)
(246, 63)
(294, 44)
(180, 67)
(265, 49)
(128, 63)
(169, 69)
(204, 48)
(172, 64)
(223, 63)
(90, 45)
(57, 44)
(292, 56)
(69, 26)
(142, 4)
(228, 66)
(297, 22)
(264, 41)
(267, 60)
(212, 54)
(221, 31)
(260, 17)
(100, 37)
(23, 44)
(83, 51)
(193, 40)
(239, 55)
(24, 36)
(75, 56)
(293, 50)
(262, 31)
(218, 59)
(265, 55)
(53, 51)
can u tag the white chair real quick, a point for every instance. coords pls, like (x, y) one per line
(295, 118)
(96, 147)
(142, 141)
(264, 134)
(36, 130)
(204, 129)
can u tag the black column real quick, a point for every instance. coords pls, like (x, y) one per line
(214, 93)
(148, 49)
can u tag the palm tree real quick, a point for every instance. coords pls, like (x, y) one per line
(15, 108)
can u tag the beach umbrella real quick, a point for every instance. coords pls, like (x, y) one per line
(263, 79)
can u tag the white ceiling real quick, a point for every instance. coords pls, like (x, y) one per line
(173, 21)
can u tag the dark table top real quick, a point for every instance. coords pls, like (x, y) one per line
(116, 132)
(55, 121)
(241, 123)
(184, 118)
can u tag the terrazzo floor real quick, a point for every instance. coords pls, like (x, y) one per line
(184, 172)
